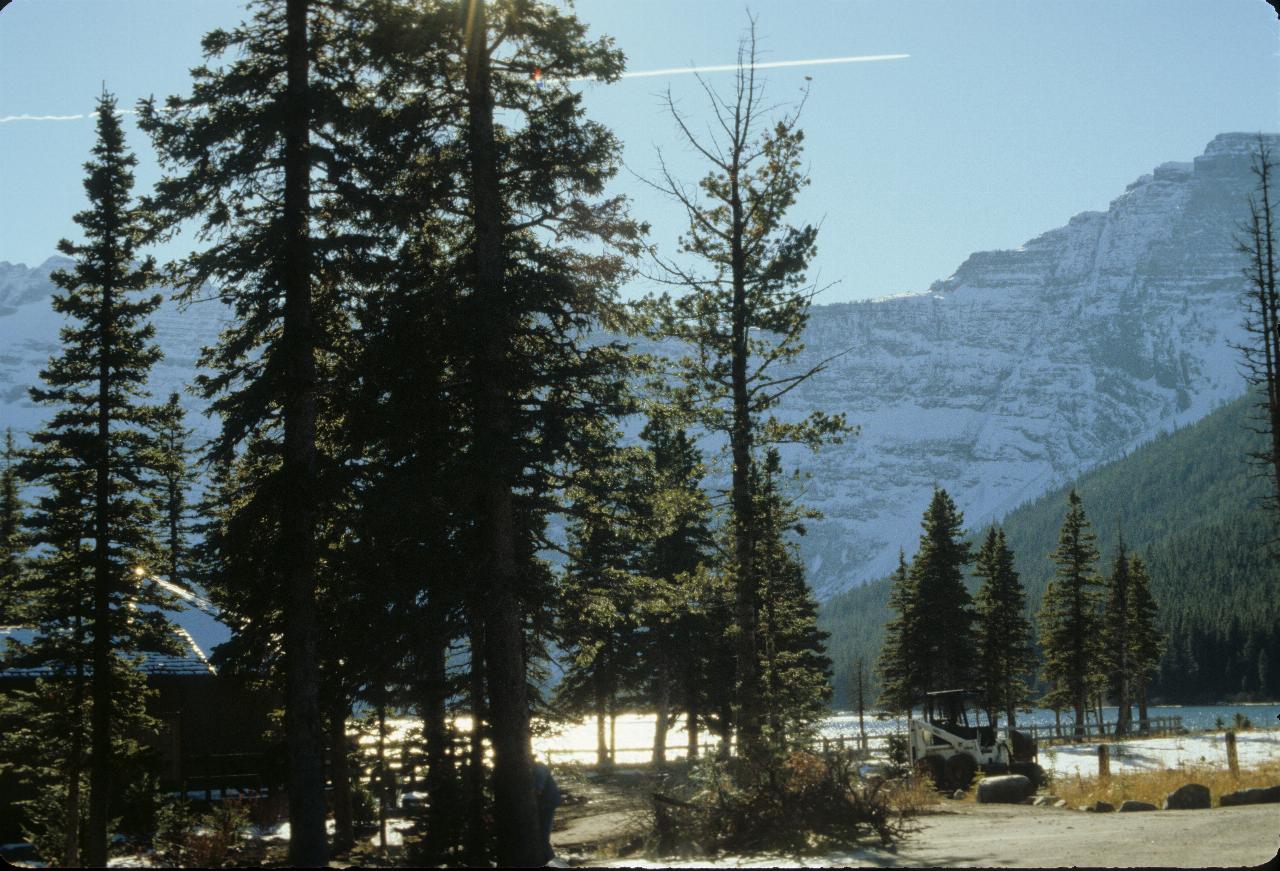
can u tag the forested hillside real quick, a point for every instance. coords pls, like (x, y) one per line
(1188, 502)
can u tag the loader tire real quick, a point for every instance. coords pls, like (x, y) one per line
(934, 768)
(960, 771)
(1031, 771)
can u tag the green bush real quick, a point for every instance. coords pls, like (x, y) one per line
(794, 802)
(185, 837)
(364, 807)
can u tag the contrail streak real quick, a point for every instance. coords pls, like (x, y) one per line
(722, 68)
(639, 74)
(8, 119)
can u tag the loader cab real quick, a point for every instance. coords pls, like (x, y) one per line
(958, 713)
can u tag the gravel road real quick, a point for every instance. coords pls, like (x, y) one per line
(964, 834)
(1023, 836)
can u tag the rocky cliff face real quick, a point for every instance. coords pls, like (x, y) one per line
(29, 336)
(1022, 369)
(1026, 367)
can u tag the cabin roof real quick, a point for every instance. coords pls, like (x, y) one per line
(190, 661)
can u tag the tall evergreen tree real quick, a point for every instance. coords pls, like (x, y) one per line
(1262, 316)
(743, 315)
(1006, 657)
(176, 476)
(930, 644)
(248, 163)
(1069, 616)
(677, 549)
(944, 617)
(900, 682)
(794, 667)
(1117, 636)
(601, 591)
(101, 428)
(1145, 644)
(12, 545)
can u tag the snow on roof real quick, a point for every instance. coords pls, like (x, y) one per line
(190, 661)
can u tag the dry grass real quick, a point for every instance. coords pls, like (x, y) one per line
(1153, 786)
(909, 796)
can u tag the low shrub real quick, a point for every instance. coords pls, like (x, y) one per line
(185, 837)
(795, 802)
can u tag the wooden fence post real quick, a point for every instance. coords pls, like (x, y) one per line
(1104, 762)
(1233, 761)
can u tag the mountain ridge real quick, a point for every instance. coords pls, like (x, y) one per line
(1020, 370)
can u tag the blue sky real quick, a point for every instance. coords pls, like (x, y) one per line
(1008, 117)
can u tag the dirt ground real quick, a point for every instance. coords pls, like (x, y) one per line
(606, 816)
(964, 834)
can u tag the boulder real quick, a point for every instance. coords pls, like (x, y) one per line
(1130, 805)
(1256, 795)
(1191, 796)
(1004, 789)
(1046, 800)
(958, 794)
(1102, 807)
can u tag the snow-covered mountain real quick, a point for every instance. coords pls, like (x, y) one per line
(1022, 369)
(29, 336)
(1029, 366)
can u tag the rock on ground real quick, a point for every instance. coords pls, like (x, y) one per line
(1191, 796)
(1005, 789)
(1256, 795)
(1130, 805)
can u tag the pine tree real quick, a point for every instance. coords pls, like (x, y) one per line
(676, 549)
(599, 620)
(1006, 657)
(900, 682)
(930, 645)
(177, 476)
(12, 544)
(1116, 636)
(246, 157)
(944, 609)
(46, 733)
(101, 432)
(1262, 317)
(1068, 616)
(1145, 644)
(743, 316)
(794, 667)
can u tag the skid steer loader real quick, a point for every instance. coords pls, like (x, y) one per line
(950, 743)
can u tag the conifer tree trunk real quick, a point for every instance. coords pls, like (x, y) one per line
(303, 724)
(691, 710)
(746, 667)
(476, 833)
(71, 836)
(515, 810)
(344, 837)
(435, 731)
(382, 769)
(663, 700)
(100, 689)
(602, 743)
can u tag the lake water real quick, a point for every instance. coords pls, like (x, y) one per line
(634, 741)
(1194, 717)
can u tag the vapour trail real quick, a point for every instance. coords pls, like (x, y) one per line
(8, 119)
(768, 65)
(639, 74)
